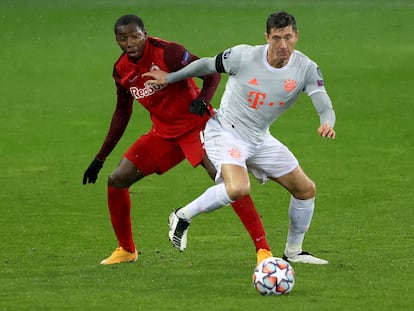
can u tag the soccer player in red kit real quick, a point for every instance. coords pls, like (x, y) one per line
(178, 112)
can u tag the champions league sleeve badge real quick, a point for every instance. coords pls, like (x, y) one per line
(320, 81)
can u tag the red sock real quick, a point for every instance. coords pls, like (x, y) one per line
(247, 213)
(119, 204)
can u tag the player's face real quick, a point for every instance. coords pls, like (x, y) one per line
(131, 39)
(281, 42)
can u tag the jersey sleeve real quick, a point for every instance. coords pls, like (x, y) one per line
(315, 88)
(314, 79)
(323, 106)
(229, 61)
(120, 119)
(177, 56)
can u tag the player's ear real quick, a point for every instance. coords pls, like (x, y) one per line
(266, 35)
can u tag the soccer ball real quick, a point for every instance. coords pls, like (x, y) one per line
(274, 276)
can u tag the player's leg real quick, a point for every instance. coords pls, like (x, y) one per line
(301, 207)
(236, 186)
(245, 210)
(250, 218)
(193, 148)
(276, 162)
(248, 215)
(215, 196)
(149, 154)
(119, 205)
(235, 183)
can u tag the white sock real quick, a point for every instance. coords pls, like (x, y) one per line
(300, 215)
(213, 198)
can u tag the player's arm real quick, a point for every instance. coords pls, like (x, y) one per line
(201, 67)
(202, 104)
(323, 106)
(227, 61)
(315, 88)
(119, 122)
(210, 83)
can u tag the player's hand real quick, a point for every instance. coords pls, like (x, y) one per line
(159, 77)
(326, 130)
(199, 106)
(91, 173)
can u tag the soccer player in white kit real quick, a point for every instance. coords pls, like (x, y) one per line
(264, 81)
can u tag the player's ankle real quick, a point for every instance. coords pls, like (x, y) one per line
(292, 249)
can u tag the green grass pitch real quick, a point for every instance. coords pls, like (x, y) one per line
(56, 100)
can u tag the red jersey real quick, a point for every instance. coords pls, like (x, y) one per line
(168, 104)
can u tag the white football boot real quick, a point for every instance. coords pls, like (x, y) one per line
(305, 257)
(178, 231)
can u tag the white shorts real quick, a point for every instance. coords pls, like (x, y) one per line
(271, 159)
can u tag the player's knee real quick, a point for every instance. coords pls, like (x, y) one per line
(114, 181)
(311, 193)
(238, 191)
(306, 192)
(125, 175)
(119, 181)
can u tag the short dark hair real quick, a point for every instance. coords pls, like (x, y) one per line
(280, 20)
(129, 19)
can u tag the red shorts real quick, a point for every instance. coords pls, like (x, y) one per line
(153, 154)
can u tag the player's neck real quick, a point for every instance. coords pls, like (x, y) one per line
(277, 63)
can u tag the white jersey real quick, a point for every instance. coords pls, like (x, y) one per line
(256, 93)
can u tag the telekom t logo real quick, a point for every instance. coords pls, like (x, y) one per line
(258, 99)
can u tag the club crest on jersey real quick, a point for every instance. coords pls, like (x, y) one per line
(154, 67)
(289, 85)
